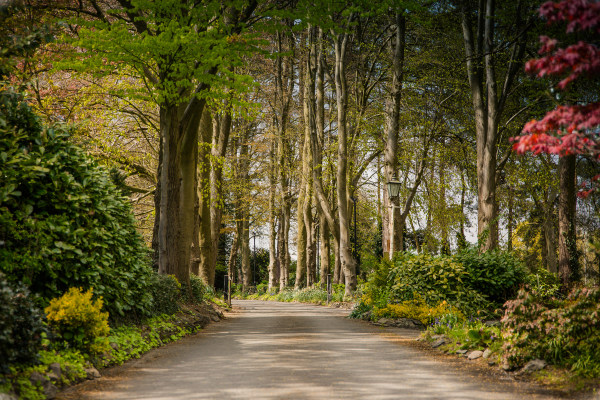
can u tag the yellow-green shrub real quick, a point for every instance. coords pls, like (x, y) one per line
(79, 320)
(417, 309)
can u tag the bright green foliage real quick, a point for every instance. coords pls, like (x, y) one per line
(563, 332)
(496, 274)
(21, 326)
(436, 279)
(63, 222)
(132, 342)
(417, 309)
(79, 320)
(544, 284)
(173, 46)
(467, 335)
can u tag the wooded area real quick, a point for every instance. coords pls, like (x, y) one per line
(199, 129)
(296, 113)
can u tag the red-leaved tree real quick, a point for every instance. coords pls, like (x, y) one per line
(568, 129)
(572, 129)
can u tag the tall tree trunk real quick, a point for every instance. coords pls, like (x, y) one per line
(157, 200)
(273, 261)
(233, 254)
(348, 264)
(204, 196)
(549, 231)
(220, 139)
(247, 280)
(392, 240)
(568, 268)
(285, 81)
(179, 130)
(324, 251)
(488, 105)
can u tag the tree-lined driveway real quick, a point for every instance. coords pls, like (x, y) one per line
(270, 350)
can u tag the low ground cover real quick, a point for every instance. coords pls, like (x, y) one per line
(314, 295)
(71, 339)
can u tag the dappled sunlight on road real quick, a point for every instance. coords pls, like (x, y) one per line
(294, 351)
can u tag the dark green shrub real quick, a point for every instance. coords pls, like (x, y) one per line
(563, 332)
(21, 326)
(166, 292)
(435, 279)
(63, 223)
(197, 290)
(496, 274)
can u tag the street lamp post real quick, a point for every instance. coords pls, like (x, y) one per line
(393, 188)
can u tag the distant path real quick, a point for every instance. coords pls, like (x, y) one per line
(270, 350)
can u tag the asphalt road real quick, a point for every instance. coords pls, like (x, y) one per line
(269, 350)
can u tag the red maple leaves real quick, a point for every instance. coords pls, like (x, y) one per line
(568, 129)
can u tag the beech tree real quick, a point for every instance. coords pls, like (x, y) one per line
(181, 52)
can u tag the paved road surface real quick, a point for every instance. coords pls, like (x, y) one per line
(270, 350)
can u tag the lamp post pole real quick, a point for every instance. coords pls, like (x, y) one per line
(393, 187)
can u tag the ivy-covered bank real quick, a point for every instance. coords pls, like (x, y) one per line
(77, 291)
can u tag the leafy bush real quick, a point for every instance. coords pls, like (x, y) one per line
(262, 288)
(544, 284)
(197, 290)
(79, 320)
(563, 332)
(417, 309)
(436, 279)
(21, 326)
(166, 292)
(497, 274)
(63, 221)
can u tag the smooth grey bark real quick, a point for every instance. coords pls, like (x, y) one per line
(348, 264)
(488, 104)
(273, 260)
(392, 240)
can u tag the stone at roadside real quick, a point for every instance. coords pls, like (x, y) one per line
(56, 369)
(461, 352)
(50, 390)
(115, 346)
(474, 355)
(491, 363)
(6, 396)
(384, 322)
(408, 323)
(487, 353)
(38, 379)
(439, 342)
(506, 366)
(532, 366)
(92, 373)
